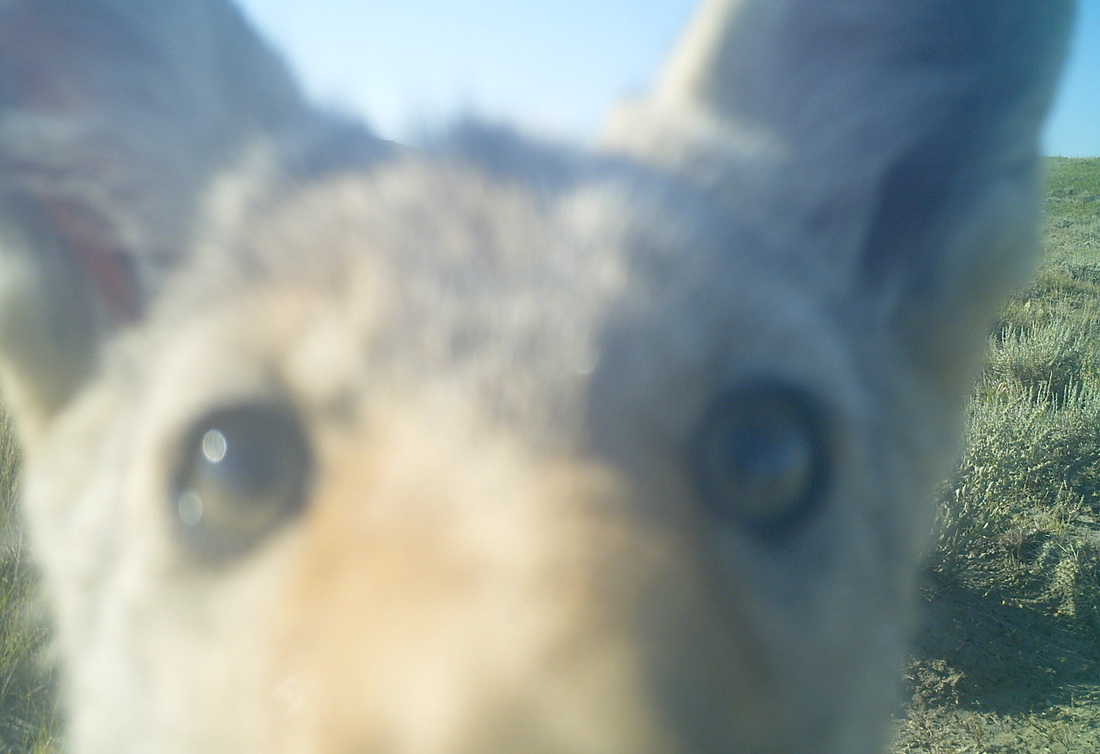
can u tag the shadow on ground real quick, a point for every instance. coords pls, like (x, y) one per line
(982, 652)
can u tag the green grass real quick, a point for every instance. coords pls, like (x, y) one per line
(1009, 655)
(28, 719)
(1022, 516)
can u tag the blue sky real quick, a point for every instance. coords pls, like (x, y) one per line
(552, 68)
(1074, 127)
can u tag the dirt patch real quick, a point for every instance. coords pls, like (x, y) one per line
(988, 675)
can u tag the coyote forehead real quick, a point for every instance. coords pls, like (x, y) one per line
(337, 446)
(458, 277)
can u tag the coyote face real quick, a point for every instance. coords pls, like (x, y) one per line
(336, 446)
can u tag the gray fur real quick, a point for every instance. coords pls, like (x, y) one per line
(504, 359)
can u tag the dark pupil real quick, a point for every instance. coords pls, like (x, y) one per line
(241, 463)
(246, 474)
(764, 462)
(760, 460)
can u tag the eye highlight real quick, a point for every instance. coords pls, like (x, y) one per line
(759, 459)
(245, 471)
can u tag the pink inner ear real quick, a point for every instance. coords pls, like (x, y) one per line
(46, 66)
(91, 244)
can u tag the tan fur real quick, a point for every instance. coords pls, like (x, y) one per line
(528, 450)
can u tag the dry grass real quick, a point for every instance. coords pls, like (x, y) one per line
(27, 709)
(1008, 659)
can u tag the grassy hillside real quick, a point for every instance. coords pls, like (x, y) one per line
(1009, 657)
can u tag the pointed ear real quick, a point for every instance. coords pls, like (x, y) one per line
(896, 142)
(113, 116)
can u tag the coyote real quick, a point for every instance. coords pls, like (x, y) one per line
(493, 446)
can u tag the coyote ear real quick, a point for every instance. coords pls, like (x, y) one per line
(113, 116)
(895, 141)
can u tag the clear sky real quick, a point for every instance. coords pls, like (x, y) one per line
(549, 67)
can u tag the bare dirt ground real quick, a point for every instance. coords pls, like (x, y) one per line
(991, 676)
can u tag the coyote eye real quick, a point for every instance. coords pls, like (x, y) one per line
(759, 459)
(245, 471)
